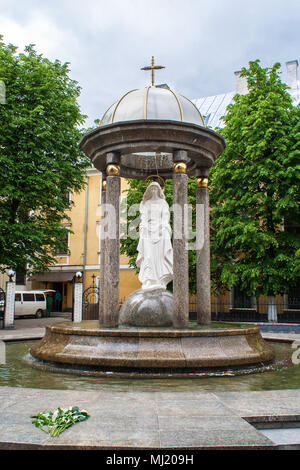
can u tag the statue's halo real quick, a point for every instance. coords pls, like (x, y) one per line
(156, 179)
(148, 192)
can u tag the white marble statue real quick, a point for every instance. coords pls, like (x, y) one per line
(155, 252)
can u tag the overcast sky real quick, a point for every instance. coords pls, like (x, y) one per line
(201, 42)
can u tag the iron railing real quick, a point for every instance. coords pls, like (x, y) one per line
(257, 311)
(287, 311)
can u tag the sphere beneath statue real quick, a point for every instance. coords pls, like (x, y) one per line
(147, 308)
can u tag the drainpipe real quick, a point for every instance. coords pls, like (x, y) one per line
(85, 231)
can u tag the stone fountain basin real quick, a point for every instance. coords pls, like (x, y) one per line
(136, 348)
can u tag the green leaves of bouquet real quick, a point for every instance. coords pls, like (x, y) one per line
(55, 423)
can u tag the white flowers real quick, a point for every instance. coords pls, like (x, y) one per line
(59, 420)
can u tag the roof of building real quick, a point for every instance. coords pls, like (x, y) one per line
(153, 102)
(213, 108)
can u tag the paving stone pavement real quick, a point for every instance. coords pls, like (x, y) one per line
(31, 328)
(147, 420)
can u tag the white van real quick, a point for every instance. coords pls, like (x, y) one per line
(30, 302)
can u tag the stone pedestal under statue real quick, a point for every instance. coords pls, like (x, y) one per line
(147, 308)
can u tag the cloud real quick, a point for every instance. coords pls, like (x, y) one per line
(201, 43)
(38, 30)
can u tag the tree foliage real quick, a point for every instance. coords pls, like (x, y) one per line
(40, 160)
(255, 189)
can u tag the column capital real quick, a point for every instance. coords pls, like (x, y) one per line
(113, 158)
(103, 181)
(113, 170)
(113, 164)
(180, 167)
(180, 156)
(202, 183)
(202, 172)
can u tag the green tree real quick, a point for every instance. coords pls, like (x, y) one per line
(255, 190)
(134, 196)
(40, 160)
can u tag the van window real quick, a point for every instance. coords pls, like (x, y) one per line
(39, 297)
(28, 297)
(18, 297)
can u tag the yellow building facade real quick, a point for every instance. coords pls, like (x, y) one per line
(84, 247)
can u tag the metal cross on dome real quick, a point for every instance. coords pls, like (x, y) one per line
(153, 67)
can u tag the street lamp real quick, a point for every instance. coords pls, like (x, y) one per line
(11, 274)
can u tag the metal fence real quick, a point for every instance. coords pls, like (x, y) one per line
(90, 303)
(287, 311)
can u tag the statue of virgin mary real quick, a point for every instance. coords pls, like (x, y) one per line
(155, 251)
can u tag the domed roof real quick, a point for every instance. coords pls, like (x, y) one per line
(153, 102)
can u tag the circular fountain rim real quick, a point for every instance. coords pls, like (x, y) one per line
(93, 328)
(151, 349)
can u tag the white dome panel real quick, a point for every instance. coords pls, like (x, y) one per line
(130, 107)
(162, 104)
(108, 115)
(153, 103)
(190, 112)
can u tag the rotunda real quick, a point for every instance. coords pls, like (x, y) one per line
(154, 131)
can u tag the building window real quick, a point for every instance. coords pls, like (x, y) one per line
(294, 299)
(20, 279)
(241, 299)
(67, 197)
(63, 250)
(21, 275)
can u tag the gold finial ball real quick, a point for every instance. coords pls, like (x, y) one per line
(180, 167)
(104, 185)
(202, 183)
(112, 170)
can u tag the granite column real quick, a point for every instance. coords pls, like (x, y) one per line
(203, 251)
(102, 250)
(180, 257)
(111, 268)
